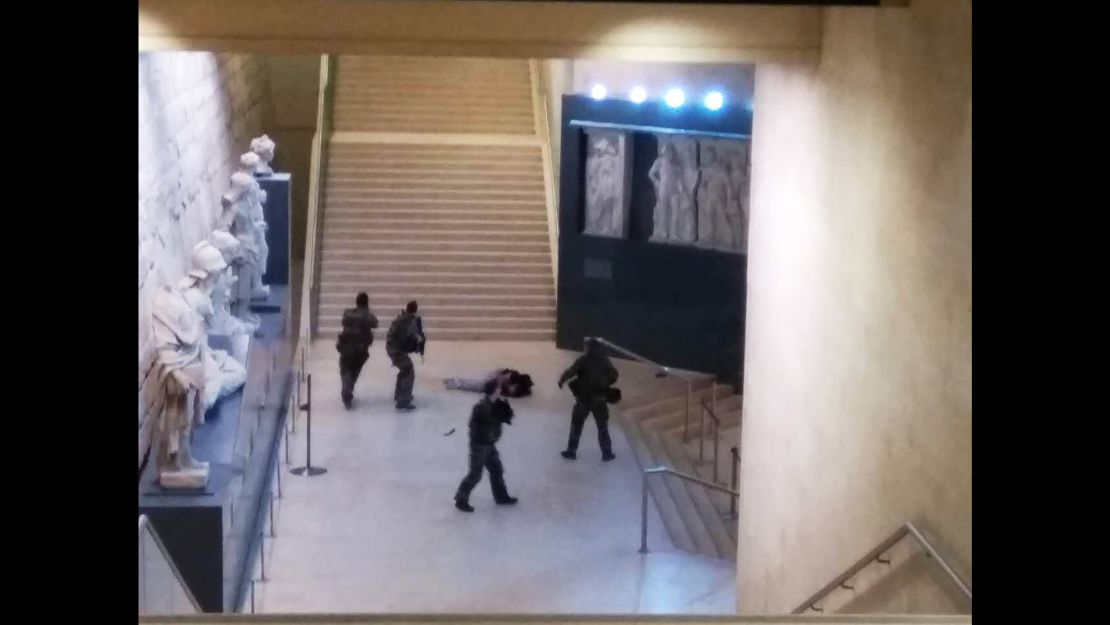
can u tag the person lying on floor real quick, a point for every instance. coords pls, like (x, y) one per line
(510, 382)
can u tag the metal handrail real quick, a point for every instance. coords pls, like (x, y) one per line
(317, 171)
(716, 436)
(543, 134)
(680, 475)
(145, 524)
(735, 477)
(909, 529)
(663, 371)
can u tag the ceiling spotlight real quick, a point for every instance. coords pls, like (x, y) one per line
(675, 98)
(714, 100)
(638, 94)
(598, 92)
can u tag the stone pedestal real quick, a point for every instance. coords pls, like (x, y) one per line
(278, 188)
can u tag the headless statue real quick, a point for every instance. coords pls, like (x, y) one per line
(244, 218)
(224, 291)
(180, 343)
(223, 375)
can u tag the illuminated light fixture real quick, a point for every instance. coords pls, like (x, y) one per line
(598, 92)
(637, 95)
(675, 98)
(714, 100)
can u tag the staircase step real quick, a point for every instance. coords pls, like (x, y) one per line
(481, 195)
(461, 334)
(508, 271)
(729, 437)
(341, 173)
(667, 405)
(364, 205)
(473, 166)
(684, 503)
(392, 244)
(355, 217)
(418, 255)
(729, 416)
(475, 183)
(432, 310)
(390, 300)
(476, 323)
(405, 238)
(347, 288)
(723, 540)
(347, 124)
(660, 494)
(666, 415)
(337, 214)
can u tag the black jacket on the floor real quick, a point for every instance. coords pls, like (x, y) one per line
(486, 418)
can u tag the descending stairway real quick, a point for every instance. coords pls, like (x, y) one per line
(435, 192)
(652, 413)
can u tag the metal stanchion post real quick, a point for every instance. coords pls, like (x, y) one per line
(308, 469)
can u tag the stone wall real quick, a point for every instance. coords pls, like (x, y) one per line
(857, 406)
(197, 114)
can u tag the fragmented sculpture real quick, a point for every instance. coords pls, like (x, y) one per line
(675, 175)
(178, 332)
(606, 206)
(264, 147)
(223, 374)
(722, 194)
(223, 292)
(243, 217)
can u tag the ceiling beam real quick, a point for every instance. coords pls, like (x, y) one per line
(692, 33)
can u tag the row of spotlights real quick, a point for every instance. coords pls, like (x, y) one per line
(674, 98)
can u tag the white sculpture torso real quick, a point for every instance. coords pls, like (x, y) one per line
(179, 339)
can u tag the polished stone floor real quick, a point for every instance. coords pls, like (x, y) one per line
(378, 532)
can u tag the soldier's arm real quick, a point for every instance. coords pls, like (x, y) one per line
(571, 371)
(612, 372)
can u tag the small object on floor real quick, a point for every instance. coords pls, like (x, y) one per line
(508, 501)
(450, 433)
(608, 457)
(569, 455)
(464, 506)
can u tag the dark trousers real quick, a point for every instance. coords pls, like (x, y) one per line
(350, 366)
(484, 456)
(406, 377)
(600, 410)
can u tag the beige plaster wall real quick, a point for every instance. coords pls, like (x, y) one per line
(857, 416)
(197, 113)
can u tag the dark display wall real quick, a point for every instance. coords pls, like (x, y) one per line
(681, 305)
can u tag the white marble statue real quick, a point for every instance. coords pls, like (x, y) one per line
(606, 213)
(223, 292)
(675, 176)
(264, 147)
(722, 194)
(243, 217)
(179, 339)
(223, 374)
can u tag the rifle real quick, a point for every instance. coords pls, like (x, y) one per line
(423, 339)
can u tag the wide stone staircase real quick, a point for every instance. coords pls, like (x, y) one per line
(435, 192)
(653, 414)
